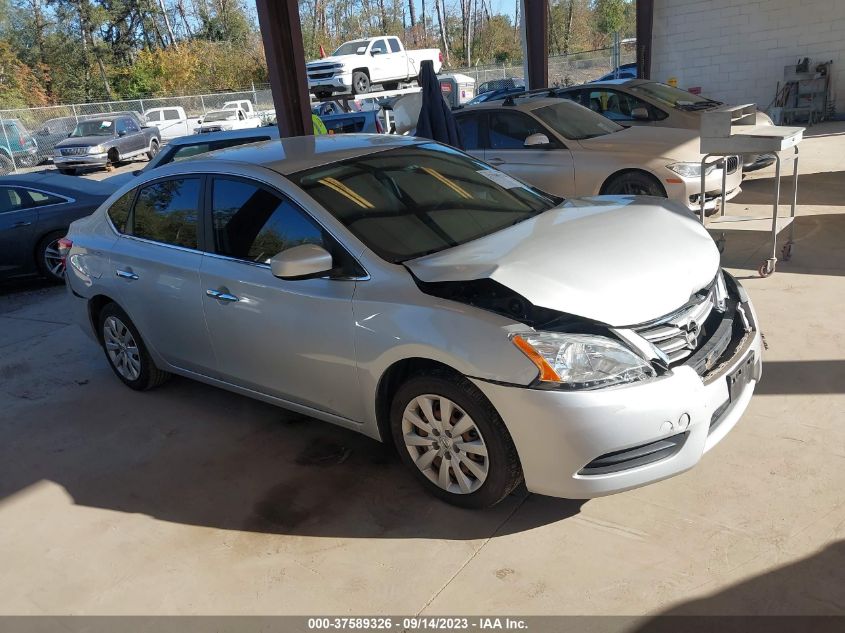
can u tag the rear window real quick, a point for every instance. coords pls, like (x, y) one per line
(171, 115)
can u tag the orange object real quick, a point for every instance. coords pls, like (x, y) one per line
(675, 181)
(547, 373)
(322, 52)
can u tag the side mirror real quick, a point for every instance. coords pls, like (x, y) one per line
(301, 262)
(121, 133)
(537, 141)
(640, 113)
(375, 52)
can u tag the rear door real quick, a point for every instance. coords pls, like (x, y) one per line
(288, 339)
(550, 169)
(172, 124)
(17, 225)
(156, 265)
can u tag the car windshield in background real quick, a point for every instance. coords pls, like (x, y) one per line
(412, 201)
(575, 122)
(350, 48)
(94, 128)
(222, 115)
(674, 97)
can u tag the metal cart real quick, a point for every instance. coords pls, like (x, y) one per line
(731, 131)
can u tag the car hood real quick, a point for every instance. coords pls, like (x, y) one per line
(649, 142)
(620, 260)
(332, 59)
(84, 141)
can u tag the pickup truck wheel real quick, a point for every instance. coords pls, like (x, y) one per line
(360, 83)
(153, 149)
(6, 165)
(113, 158)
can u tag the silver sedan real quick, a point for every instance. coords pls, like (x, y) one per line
(407, 291)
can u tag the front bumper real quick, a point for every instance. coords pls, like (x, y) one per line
(571, 444)
(688, 191)
(336, 83)
(82, 160)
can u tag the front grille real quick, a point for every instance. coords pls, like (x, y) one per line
(733, 163)
(317, 76)
(74, 151)
(322, 71)
(679, 334)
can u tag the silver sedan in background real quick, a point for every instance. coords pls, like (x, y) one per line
(403, 289)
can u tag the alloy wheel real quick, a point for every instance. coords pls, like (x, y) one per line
(53, 262)
(121, 348)
(445, 444)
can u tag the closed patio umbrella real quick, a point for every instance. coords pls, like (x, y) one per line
(436, 121)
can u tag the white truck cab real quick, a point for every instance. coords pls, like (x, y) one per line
(171, 121)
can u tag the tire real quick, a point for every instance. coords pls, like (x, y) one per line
(113, 159)
(633, 183)
(67, 171)
(7, 166)
(125, 351)
(47, 257)
(153, 149)
(494, 470)
(360, 82)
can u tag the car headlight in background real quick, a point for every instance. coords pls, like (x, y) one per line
(691, 170)
(97, 149)
(582, 361)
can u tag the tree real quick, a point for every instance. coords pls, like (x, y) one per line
(610, 15)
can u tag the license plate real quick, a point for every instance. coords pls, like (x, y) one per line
(740, 376)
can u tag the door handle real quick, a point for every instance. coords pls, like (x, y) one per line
(20, 224)
(126, 274)
(221, 296)
(496, 161)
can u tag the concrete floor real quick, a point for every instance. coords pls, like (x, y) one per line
(191, 500)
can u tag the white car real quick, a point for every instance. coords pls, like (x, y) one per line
(357, 65)
(569, 150)
(227, 119)
(402, 289)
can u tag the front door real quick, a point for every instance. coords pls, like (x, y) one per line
(549, 169)
(17, 223)
(288, 339)
(155, 265)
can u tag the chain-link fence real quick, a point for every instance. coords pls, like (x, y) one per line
(29, 135)
(564, 70)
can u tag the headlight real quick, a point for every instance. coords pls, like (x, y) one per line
(582, 361)
(97, 149)
(57, 152)
(691, 170)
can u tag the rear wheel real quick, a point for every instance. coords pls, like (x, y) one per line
(634, 183)
(360, 82)
(153, 149)
(126, 352)
(454, 441)
(49, 259)
(7, 166)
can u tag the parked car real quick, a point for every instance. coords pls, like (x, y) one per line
(105, 141)
(625, 71)
(568, 150)
(365, 121)
(229, 119)
(172, 121)
(642, 102)
(357, 65)
(405, 290)
(35, 212)
(496, 94)
(499, 84)
(17, 146)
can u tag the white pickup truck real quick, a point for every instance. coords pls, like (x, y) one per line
(227, 119)
(172, 122)
(359, 64)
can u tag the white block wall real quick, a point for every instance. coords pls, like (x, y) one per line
(735, 50)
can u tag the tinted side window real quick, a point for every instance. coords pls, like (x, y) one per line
(471, 131)
(254, 223)
(120, 126)
(379, 45)
(171, 115)
(39, 199)
(153, 116)
(167, 211)
(10, 200)
(508, 130)
(131, 126)
(119, 211)
(394, 45)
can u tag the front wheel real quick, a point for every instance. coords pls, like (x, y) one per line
(634, 184)
(454, 441)
(7, 165)
(360, 83)
(125, 351)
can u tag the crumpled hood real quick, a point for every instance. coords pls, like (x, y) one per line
(84, 141)
(620, 260)
(677, 144)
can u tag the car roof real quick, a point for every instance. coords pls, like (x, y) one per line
(290, 155)
(50, 181)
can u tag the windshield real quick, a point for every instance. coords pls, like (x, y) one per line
(575, 122)
(94, 128)
(351, 48)
(221, 115)
(412, 201)
(674, 97)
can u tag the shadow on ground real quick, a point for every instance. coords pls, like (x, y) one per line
(826, 188)
(193, 454)
(802, 377)
(819, 246)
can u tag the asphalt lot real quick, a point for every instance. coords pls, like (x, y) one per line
(192, 500)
